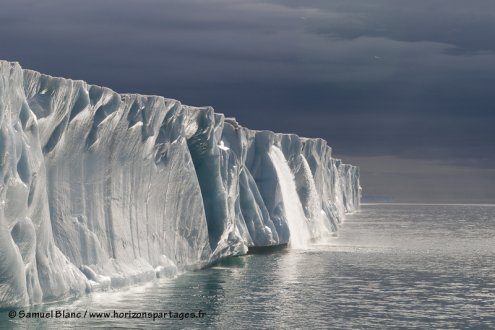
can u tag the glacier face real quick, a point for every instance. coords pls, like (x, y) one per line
(101, 190)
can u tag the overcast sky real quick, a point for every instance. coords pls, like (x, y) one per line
(404, 89)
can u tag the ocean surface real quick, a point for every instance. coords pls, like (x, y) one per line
(388, 266)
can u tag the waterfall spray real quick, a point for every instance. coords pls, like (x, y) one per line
(294, 213)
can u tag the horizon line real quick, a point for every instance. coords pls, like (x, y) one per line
(423, 203)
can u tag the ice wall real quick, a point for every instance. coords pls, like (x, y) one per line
(100, 190)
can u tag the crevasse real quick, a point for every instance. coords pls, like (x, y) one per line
(101, 190)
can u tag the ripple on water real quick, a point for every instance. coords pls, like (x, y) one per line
(390, 266)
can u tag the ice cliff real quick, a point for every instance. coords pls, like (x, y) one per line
(101, 190)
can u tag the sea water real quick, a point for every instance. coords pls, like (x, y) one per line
(388, 266)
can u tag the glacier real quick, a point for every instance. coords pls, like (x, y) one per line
(101, 190)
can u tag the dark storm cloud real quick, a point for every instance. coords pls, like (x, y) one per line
(466, 26)
(383, 78)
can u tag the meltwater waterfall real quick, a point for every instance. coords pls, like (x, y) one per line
(294, 213)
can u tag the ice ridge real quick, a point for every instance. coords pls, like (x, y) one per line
(101, 190)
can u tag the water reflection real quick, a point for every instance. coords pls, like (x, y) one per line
(389, 266)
